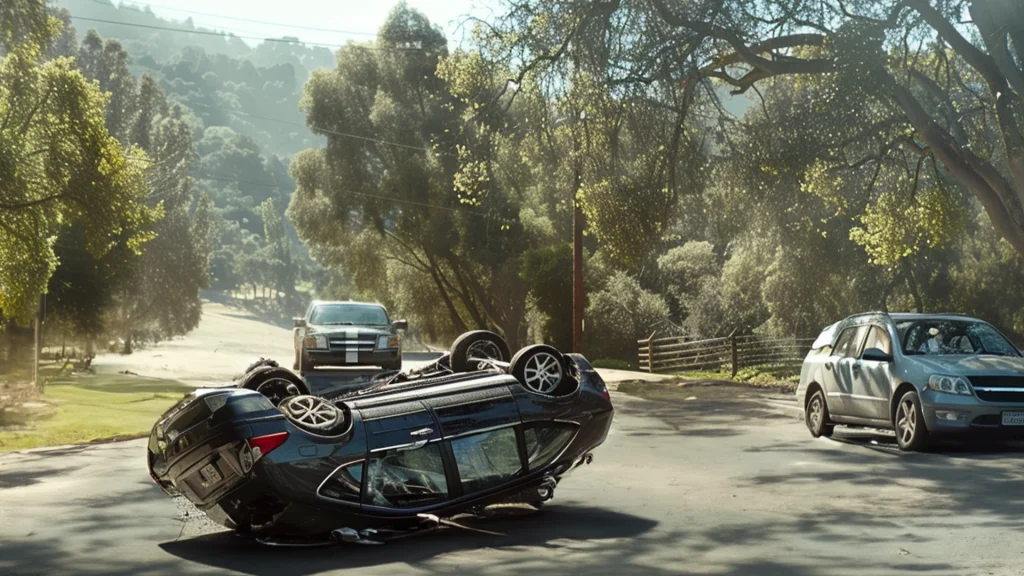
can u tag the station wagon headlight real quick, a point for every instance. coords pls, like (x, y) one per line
(316, 341)
(949, 384)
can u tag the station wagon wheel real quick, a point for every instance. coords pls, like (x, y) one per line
(911, 431)
(313, 413)
(484, 350)
(539, 368)
(816, 415)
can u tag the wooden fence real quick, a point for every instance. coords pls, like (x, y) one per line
(778, 356)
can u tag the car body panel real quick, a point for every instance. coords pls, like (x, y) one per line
(303, 487)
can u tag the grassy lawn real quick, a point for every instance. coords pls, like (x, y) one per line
(761, 376)
(78, 408)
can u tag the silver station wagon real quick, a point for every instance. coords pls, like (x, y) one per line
(922, 375)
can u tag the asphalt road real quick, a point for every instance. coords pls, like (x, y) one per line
(728, 482)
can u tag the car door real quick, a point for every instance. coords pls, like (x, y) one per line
(872, 380)
(405, 467)
(481, 427)
(839, 369)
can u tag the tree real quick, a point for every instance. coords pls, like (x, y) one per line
(418, 187)
(61, 167)
(924, 81)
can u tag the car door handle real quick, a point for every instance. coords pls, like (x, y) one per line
(421, 432)
(410, 446)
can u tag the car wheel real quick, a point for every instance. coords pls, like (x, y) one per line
(471, 347)
(911, 431)
(313, 414)
(305, 362)
(539, 368)
(277, 384)
(816, 415)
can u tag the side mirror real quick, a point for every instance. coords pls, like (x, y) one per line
(400, 325)
(876, 355)
(299, 322)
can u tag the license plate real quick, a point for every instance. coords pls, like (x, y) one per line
(1013, 418)
(210, 475)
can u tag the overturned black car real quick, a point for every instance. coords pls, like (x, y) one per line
(473, 431)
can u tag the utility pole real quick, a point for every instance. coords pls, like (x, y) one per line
(35, 352)
(577, 249)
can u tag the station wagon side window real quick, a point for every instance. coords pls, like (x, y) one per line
(406, 478)
(878, 338)
(845, 340)
(487, 459)
(544, 442)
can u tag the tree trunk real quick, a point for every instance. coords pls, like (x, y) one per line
(127, 342)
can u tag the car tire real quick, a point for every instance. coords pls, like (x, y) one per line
(540, 369)
(477, 344)
(305, 362)
(911, 431)
(276, 383)
(816, 415)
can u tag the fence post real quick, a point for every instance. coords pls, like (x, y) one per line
(650, 352)
(735, 355)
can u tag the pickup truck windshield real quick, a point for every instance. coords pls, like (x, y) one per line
(348, 314)
(953, 337)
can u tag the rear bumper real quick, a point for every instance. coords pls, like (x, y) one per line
(946, 414)
(382, 357)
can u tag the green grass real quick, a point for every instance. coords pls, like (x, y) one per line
(85, 408)
(768, 376)
(611, 363)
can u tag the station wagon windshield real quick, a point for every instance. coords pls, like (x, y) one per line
(953, 337)
(348, 314)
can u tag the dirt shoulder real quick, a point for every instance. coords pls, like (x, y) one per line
(685, 390)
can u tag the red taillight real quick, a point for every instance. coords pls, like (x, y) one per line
(262, 445)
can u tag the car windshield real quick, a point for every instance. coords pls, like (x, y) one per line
(348, 314)
(953, 337)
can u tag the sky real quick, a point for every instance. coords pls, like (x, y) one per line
(323, 21)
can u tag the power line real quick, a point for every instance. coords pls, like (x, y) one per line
(317, 128)
(226, 178)
(238, 19)
(240, 36)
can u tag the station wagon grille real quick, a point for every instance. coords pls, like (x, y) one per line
(999, 388)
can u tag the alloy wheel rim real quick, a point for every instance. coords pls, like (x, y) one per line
(278, 390)
(815, 411)
(906, 421)
(543, 373)
(483, 350)
(313, 412)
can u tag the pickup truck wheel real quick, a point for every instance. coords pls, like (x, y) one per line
(816, 416)
(478, 344)
(911, 431)
(305, 362)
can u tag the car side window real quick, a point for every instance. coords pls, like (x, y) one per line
(544, 442)
(848, 345)
(878, 338)
(845, 337)
(487, 460)
(406, 478)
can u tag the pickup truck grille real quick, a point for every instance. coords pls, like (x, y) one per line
(999, 388)
(360, 343)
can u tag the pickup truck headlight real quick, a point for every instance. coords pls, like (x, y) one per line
(316, 341)
(386, 341)
(949, 384)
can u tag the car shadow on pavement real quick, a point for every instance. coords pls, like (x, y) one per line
(552, 528)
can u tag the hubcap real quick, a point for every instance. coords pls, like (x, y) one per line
(906, 421)
(543, 373)
(815, 412)
(313, 412)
